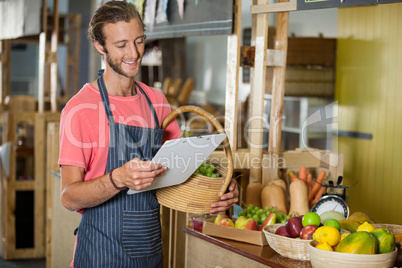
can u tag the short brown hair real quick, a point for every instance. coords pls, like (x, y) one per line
(111, 12)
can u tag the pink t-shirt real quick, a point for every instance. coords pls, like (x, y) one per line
(84, 130)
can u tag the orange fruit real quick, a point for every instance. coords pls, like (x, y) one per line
(330, 235)
(324, 246)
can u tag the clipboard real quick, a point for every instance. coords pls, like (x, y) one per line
(182, 157)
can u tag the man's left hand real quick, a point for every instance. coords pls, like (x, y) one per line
(228, 200)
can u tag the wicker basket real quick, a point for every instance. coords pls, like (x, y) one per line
(197, 193)
(396, 229)
(297, 249)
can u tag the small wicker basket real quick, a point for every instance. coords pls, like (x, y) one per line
(297, 249)
(197, 193)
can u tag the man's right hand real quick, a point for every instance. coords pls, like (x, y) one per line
(137, 174)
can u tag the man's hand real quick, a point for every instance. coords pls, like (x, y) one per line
(137, 174)
(227, 200)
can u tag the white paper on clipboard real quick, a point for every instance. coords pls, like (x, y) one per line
(182, 157)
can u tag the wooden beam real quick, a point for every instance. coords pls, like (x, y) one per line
(232, 78)
(273, 57)
(275, 7)
(53, 65)
(278, 92)
(259, 40)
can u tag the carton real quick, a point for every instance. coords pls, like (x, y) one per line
(248, 236)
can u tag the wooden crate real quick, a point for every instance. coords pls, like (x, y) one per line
(23, 197)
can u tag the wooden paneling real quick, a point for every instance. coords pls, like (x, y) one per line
(369, 91)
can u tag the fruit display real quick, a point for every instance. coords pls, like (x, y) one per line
(206, 170)
(363, 239)
(261, 214)
(253, 218)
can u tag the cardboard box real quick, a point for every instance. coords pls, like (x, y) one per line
(248, 236)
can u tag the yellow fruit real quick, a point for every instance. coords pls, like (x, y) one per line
(358, 243)
(360, 217)
(330, 235)
(324, 246)
(344, 235)
(317, 234)
(349, 225)
(365, 227)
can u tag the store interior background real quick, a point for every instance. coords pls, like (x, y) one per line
(368, 89)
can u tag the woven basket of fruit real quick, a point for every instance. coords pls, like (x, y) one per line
(297, 249)
(197, 193)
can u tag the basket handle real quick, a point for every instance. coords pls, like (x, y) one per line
(219, 128)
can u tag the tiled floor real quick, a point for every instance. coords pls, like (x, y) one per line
(34, 263)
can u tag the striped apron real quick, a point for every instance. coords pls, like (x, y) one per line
(124, 231)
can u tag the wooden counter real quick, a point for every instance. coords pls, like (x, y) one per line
(207, 251)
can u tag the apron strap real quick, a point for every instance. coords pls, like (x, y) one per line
(150, 106)
(106, 103)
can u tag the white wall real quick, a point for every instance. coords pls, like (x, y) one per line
(206, 56)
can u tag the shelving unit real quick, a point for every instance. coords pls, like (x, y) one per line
(308, 118)
(23, 192)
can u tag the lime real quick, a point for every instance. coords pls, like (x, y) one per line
(311, 218)
(333, 223)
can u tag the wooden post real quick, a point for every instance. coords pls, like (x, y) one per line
(74, 21)
(259, 40)
(232, 78)
(278, 92)
(5, 67)
(53, 64)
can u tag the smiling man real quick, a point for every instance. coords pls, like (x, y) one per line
(108, 133)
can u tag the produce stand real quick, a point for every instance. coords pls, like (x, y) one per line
(207, 251)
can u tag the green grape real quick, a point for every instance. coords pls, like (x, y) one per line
(268, 208)
(249, 215)
(263, 217)
(251, 206)
(215, 175)
(260, 211)
(203, 170)
(256, 218)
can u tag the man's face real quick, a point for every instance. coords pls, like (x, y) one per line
(124, 47)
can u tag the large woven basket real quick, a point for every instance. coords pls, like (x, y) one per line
(197, 193)
(297, 249)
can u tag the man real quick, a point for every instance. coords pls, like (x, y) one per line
(109, 131)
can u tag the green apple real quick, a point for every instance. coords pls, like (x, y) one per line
(219, 217)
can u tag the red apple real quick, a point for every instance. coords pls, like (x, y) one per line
(308, 231)
(294, 226)
(250, 224)
(226, 222)
(282, 231)
(271, 219)
(219, 217)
